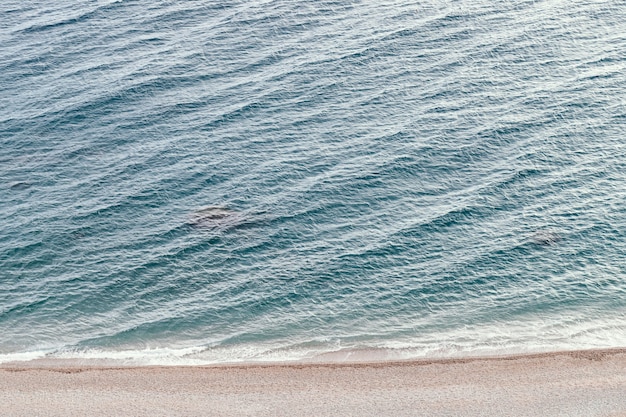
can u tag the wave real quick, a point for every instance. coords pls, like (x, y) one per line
(515, 337)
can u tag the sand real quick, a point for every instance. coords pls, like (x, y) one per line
(588, 383)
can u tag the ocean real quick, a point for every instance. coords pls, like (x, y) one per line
(208, 182)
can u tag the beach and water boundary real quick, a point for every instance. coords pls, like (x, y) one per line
(330, 208)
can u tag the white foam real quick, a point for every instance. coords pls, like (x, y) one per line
(22, 356)
(531, 335)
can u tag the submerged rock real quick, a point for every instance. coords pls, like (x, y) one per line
(20, 186)
(215, 217)
(545, 238)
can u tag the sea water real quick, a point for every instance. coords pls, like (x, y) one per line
(187, 182)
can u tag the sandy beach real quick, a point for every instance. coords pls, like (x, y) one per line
(585, 383)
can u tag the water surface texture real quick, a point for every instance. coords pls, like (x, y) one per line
(207, 182)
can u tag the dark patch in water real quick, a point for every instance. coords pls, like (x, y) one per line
(545, 238)
(215, 217)
(20, 186)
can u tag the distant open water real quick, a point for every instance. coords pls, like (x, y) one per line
(207, 182)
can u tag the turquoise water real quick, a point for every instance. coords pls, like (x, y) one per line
(207, 182)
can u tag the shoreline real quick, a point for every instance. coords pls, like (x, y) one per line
(78, 364)
(565, 383)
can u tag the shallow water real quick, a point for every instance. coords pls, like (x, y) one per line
(438, 179)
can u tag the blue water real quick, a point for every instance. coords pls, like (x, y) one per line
(208, 182)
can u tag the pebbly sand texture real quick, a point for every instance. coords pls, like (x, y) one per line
(588, 383)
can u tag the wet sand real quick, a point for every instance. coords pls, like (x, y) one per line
(586, 383)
